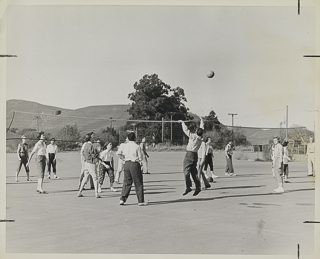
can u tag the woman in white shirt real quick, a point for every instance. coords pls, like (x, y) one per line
(285, 160)
(106, 164)
(40, 148)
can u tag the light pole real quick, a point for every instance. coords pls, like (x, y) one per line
(232, 114)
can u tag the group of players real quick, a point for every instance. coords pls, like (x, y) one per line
(96, 161)
(280, 158)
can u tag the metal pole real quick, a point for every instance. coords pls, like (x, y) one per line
(287, 125)
(162, 129)
(171, 128)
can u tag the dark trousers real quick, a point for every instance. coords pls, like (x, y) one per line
(132, 174)
(229, 166)
(23, 161)
(190, 167)
(53, 162)
(208, 161)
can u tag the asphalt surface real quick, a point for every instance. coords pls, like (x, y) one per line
(238, 215)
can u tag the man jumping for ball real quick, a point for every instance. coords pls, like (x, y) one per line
(191, 158)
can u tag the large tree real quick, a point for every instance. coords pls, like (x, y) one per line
(155, 100)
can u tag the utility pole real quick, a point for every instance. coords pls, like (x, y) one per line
(232, 114)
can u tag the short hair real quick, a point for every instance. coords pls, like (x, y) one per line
(132, 136)
(285, 143)
(276, 138)
(53, 139)
(39, 134)
(88, 137)
(206, 139)
(199, 132)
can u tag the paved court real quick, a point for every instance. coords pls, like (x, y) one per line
(237, 215)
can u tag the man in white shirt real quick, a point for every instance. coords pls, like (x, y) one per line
(51, 154)
(120, 156)
(311, 156)
(191, 157)
(277, 158)
(132, 170)
(145, 156)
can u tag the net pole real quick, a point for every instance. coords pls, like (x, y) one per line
(13, 113)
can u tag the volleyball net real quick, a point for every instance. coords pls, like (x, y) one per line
(69, 132)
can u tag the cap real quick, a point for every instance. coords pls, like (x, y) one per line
(23, 136)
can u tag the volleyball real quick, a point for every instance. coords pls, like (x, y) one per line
(210, 74)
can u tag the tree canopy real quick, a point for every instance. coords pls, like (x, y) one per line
(155, 100)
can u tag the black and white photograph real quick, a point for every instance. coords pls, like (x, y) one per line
(160, 128)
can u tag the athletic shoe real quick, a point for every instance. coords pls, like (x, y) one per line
(196, 192)
(232, 174)
(227, 174)
(16, 179)
(80, 194)
(121, 202)
(98, 196)
(279, 190)
(113, 189)
(142, 204)
(310, 175)
(147, 173)
(56, 177)
(117, 182)
(214, 176)
(48, 177)
(186, 191)
(29, 180)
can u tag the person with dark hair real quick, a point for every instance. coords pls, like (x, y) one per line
(106, 165)
(90, 155)
(40, 149)
(145, 156)
(191, 157)
(51, 154)
(209, 158)
(277, 163)
(132, 171)
(285, 160)
(23, 157)
(229, 166)
(201, 163)
(121, 161)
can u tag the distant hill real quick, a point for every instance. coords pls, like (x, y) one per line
(44, 117)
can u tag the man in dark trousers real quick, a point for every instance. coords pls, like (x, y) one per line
(132, 170)
(191, 158)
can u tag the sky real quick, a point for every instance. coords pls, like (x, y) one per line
(76, 56)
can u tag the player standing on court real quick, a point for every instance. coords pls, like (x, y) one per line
(90, 165)
(285, 160)
(132, 171)
(106, 165)
(229, 167)
(191, 157)
(311, 155)
(209, 159)
(145, 156)
(277, 163)
(40, 149)
(23, 157)
(120, 156)
(51, 154)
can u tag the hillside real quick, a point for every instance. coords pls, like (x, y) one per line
(44, 117)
